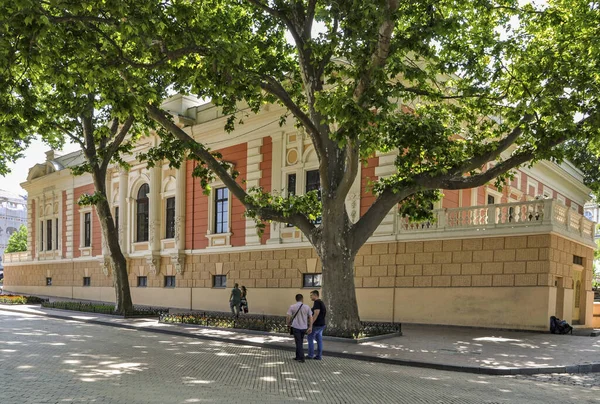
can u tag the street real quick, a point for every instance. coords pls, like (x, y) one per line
(45, 360)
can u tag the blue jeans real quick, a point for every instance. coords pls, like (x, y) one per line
(316, 334)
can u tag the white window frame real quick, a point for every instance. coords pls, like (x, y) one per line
(82, 248)
(575, 206)
(141, 180)
(214, 239)
(562, 199)
(47, 212)
(547, 193)
(532, 183)
(168, 192)
(497, 196)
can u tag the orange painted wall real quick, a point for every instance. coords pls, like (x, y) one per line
(367, 174)
(64, 224)
(265, 181)
(450, 199)
(197, 203)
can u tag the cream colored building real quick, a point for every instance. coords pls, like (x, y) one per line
(509, 258)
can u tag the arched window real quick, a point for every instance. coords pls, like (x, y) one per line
(142, 205)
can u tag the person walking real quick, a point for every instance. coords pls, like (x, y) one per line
(319, 311)
(244, 301)
(235, 299)
(299, 317)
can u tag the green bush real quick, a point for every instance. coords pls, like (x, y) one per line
(102, 308)
(274, 324)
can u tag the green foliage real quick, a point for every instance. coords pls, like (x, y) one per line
(17, 242)
(20, 299)
(140, 311)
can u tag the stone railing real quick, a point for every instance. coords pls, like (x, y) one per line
(15, 257)
(518, 215)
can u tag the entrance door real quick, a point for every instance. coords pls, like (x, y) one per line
(576, 295)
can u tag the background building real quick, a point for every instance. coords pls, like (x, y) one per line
(13, 214)
(498, 258)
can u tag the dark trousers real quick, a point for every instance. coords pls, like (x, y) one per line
(299, 340)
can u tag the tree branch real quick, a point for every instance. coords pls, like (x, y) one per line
(275, 88)
(116, 143)
(381, 53)
(368, 223)
(298, 220)
(478, 161)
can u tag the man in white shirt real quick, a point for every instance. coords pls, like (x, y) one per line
(299, 317)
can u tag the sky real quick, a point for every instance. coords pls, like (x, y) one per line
(35, 153)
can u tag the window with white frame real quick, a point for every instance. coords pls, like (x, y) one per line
(560, 198)
(142, 205)
(87, 229)
(49, 227)
(574, 206)
(532, 187)
(221, 210)
(548, 193)
(170, 217)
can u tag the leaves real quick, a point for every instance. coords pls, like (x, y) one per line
(17, 241)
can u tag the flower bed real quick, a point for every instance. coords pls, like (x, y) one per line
(274, 324)
(20, 299)
(104, 308)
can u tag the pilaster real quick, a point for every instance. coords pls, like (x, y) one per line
(253, 175)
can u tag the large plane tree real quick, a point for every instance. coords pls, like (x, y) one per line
(448, 85)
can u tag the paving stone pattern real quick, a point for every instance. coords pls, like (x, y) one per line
(46, 360)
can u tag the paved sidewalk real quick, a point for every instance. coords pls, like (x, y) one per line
(437, 347)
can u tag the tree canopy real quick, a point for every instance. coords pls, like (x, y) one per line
(448, 86)
(17, 242)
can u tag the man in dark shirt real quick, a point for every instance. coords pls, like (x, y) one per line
(319, 311)
(235, 299)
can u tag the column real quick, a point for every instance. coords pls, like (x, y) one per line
(178, 259)
(123, 211)
(278, 151)
(385, 168)
(253, 175)
(155, 205)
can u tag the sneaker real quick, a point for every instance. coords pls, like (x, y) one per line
(309, 357)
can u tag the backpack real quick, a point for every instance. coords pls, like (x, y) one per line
(558, 326)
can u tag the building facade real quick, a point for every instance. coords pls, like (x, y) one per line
(13, 214)
(509, 258)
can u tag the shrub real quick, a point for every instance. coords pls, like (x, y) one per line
(102, 308)
(266, 323)
(20, 299)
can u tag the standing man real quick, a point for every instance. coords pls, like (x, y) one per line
(300, 318)
(318, 311)
(235, 300)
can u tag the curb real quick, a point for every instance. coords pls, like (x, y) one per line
(582, 368)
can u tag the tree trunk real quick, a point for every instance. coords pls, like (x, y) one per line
(118, 262)
(339, 293)
(337, 259)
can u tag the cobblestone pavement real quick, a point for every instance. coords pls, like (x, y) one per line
(588, 380)
(45, 360)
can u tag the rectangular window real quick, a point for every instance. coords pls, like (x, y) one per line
(491, 200)
(142, 281)
(170, 281)
(87, 229)
(48, 281)
(49, 235)
(291, 184)
(291, 189)
(311, 281)
(313, 183)
(56, 242)
(219, 281)
(577, 260)
(221, 210)
(170, 218)
(42, 235)
(117, 218)
(87, 281)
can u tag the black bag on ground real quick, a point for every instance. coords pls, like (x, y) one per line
(558, 326)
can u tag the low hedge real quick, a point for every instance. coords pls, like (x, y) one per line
(103, 308)
(20, 299)
(266, 323)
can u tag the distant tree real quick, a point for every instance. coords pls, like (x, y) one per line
(17, 241)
